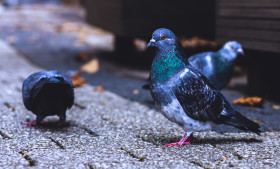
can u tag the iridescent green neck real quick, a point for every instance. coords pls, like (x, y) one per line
(165, 65)
(223, 64)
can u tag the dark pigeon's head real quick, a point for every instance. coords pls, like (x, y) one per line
(163, 38)
(233, 47)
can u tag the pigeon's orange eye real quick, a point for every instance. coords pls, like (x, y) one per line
(163, 37)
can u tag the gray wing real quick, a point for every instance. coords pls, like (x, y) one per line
(200, 99)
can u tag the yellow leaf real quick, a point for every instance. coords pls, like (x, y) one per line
(78, 80)
(91, 67)
(99, 89)
(276, 107)
(249, 101)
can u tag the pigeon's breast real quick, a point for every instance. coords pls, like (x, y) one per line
(172, 109)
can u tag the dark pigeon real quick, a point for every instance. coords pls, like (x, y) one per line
(184, 95)
(48, 93)
(216, 66)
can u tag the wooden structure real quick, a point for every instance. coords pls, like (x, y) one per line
(138, 19)
(256, 25)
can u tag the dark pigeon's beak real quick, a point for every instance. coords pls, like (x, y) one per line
(151, 43)
(240, 51)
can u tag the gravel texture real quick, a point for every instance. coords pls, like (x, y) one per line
(114, 128)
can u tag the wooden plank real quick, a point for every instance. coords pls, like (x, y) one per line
(254, 45)
(257, 35)
(250, 13)
(249, 24)
(249, 3)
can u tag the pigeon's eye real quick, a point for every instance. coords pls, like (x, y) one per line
(232, 47)
(163, 37)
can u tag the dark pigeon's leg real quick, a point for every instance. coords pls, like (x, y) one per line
(38, 121)
(187, 138)
(62, 117)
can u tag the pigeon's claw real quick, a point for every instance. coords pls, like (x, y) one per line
(177, 143)
(185, 140)
(181, 142)
(32, 123)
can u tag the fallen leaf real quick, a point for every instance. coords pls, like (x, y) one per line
(9, 106)
(11, 39)
(99, 89)
(103, 103)
(24, 155)
(91, 67)
(196, 42)
(224, 158)
(77, 79)
(135, 91)
(249, 101)
(276, 107)
(258, 122)
(273, 130)
(82, 57)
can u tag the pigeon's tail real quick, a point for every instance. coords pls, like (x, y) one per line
(241, 122)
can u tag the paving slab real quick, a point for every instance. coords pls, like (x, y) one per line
(109, 131)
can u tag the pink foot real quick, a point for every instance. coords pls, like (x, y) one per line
(177, 143)
(184, 140)
(32, 123)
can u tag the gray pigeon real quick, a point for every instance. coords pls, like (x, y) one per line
(218, 66)
(184, 95)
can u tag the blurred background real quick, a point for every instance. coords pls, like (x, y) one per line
(105, 40)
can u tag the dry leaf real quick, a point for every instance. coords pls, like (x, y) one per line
(249, 101)
(224, 158)
(78, 80)
(24, 155)
(258, 122)
(276, 107)
(103, 103)
(82, 57)
(135, 91)
(99, 89)
(91, 67)
(273, 130)
(9, 106)
(11, 39)
(196, 42)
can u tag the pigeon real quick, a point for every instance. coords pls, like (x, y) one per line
(47, 93)
(184, 95)
(216, 66)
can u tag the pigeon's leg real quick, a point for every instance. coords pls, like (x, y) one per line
(32, 123)
(189, 139)
(38, 121)
(62, 118)
(184, 140)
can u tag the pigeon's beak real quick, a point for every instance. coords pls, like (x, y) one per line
(240, 51)
(151, 43)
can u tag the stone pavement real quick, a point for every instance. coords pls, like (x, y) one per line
(107, 131)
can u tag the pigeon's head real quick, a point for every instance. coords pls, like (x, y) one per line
(234, 48)
(163, 38)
